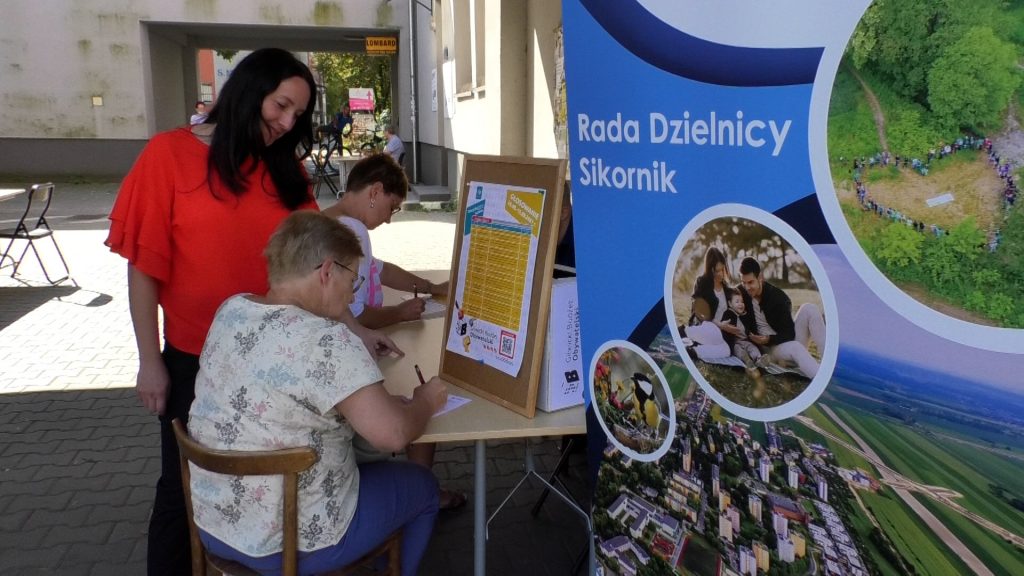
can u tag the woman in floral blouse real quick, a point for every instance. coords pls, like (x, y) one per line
(277, 372)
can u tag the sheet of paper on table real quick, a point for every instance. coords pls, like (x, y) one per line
(453, 403)
(433, 309)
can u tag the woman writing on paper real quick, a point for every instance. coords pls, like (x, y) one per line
(375, 189)
(277, 371)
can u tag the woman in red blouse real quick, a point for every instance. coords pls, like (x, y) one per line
(192, 218)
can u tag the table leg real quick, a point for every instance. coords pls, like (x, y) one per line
(480, 508)
(343, 179)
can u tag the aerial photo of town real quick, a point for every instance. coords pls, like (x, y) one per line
(869, 480)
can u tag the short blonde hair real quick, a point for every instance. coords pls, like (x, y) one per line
(304, 240)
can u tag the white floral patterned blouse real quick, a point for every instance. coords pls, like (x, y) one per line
(269, 378)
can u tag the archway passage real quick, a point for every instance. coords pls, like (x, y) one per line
(170, 57)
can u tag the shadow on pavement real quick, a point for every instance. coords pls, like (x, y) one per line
(78, 470)
(16, 302)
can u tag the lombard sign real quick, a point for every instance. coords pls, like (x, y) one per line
(381, 44)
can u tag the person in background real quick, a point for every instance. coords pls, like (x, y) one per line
(375, 189)
(710, 287)
(343, 120)
(393, 144)
(339, 128)
(200, 116)
(320, 393)
(192, 218)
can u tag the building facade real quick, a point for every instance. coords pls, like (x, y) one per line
(90, 82)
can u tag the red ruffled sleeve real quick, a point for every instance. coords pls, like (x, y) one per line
(140, 222)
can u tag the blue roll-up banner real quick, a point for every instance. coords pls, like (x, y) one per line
(801, 283)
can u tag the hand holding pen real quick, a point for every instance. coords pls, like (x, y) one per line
(412, 308)
(434, 390)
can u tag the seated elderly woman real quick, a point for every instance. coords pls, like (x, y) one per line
(277, 372)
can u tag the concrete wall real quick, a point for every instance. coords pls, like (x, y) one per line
(542, 23)
(56, 56)
(164, 92)
(138, 56)
(512, 111)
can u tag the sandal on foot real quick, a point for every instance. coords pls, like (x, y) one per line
(450, 500)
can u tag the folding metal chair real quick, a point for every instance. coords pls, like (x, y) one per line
(32, 226)
(321, 168)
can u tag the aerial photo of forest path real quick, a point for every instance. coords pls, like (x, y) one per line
(927, 153)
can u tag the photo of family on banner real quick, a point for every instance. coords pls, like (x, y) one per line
(800, 283)
(733, 313)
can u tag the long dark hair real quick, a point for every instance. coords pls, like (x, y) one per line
(712, 258)
(238, 135)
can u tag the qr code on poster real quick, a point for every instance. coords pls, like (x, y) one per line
(508, 344)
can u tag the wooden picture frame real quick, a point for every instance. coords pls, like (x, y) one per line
(517, 393)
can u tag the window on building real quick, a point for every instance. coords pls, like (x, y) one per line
(206, 92)
(468, 29)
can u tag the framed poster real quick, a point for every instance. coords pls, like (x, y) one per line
(501, 277)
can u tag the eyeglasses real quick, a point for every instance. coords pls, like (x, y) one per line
(396, 209)
(357, 280)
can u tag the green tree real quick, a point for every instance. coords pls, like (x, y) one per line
(354, 70)
(908, 131)
(901, 39)
(1010, 255)
(951, 259)
(971, 83)
(891, 38)
(899, 245)
(966, 241)
(1000, 307)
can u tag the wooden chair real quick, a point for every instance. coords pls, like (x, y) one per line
(288, 463)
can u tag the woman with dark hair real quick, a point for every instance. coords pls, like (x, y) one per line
(265, 116)
(192, 218)
(710, 301)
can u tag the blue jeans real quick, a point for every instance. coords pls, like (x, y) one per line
(392, 495)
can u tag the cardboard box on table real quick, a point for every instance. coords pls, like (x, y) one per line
(561, 379)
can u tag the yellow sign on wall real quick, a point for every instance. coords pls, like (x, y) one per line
(381, 44)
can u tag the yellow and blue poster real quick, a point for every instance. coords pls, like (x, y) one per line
(494, 283)
(801, 282)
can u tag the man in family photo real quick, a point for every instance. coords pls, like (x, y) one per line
(770, 324)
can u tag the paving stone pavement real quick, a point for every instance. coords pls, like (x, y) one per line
(79, 457)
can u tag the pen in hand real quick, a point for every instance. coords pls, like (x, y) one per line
(416, 294)
(419, 374)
